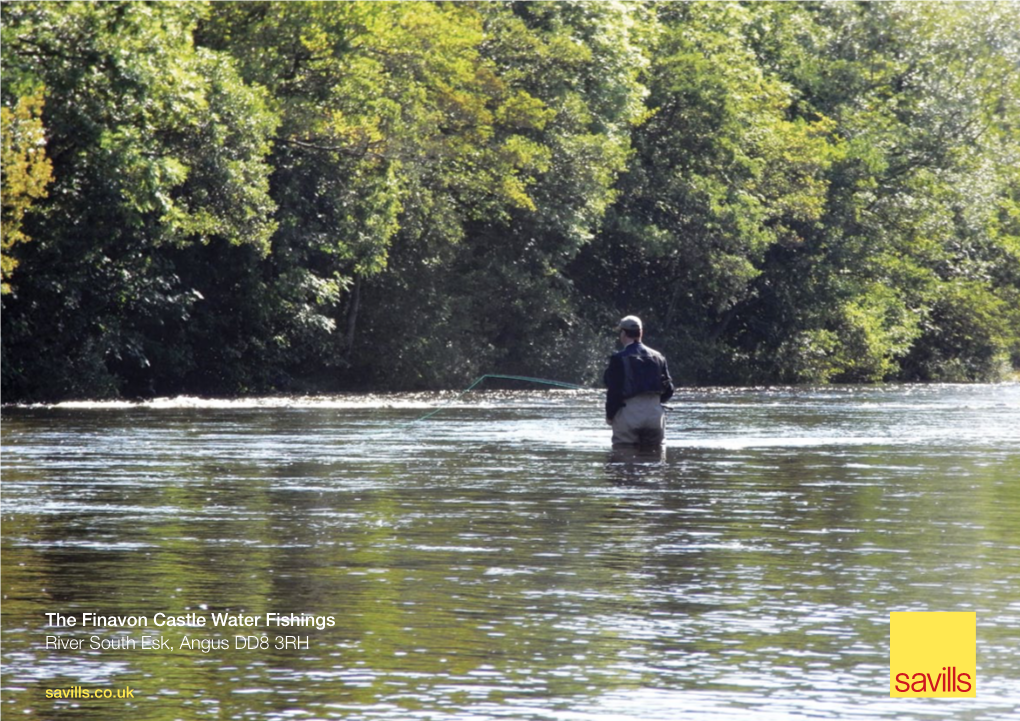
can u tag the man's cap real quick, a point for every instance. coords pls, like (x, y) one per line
(631, 322)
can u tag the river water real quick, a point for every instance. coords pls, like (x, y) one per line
(499, 561)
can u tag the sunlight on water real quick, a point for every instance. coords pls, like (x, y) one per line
(500, 561)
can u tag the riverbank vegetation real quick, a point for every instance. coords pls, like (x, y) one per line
(227, 198)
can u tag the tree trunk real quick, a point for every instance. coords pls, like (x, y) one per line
(352, 315)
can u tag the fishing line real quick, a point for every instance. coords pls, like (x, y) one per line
(543, 381)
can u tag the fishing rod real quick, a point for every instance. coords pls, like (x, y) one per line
(529, 379)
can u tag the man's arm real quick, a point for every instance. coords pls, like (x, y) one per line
(613, 378)
(667, 383)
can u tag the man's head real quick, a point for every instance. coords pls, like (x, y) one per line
(629, 328)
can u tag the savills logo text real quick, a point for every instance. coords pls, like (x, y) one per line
(949, 681)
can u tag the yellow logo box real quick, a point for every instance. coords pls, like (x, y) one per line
(933, 654)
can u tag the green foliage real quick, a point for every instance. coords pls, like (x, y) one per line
(723, 172)
(478, 290)
(155, 145)
(26, 171)
(925, 105)
(237, 197)
(967, 336)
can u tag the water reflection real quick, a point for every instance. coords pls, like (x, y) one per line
(480, 567)
(635, 465)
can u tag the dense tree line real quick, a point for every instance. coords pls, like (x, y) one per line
(240, 197)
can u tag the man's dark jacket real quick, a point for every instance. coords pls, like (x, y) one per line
(634, 370)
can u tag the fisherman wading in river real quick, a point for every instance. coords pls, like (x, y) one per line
(637, 384)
